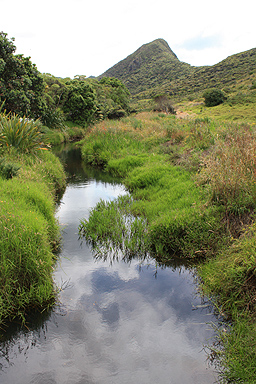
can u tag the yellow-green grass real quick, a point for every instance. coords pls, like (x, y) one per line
(241, 113)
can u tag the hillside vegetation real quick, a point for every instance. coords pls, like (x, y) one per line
(155, 69)
(152, 67)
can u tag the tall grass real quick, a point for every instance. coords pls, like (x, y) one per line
(108, 143)
(230, 169)
(26, 257)
(141, 149)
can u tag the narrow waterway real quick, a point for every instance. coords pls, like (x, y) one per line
(116, 322)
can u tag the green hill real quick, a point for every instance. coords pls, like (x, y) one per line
(154, 68)
(148, 68)
(228, 74)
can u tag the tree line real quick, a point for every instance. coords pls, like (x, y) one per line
(27, 92)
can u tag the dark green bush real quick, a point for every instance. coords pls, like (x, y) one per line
(54, 118)
(213, 97)
(8, 169)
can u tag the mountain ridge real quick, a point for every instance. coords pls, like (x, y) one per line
(147, 62)
(154, 68)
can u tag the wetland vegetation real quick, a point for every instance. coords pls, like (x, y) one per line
(191, 187)
(190, 179)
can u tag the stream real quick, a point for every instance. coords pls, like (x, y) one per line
(116, 322)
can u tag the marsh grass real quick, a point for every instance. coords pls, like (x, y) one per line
(155, 153)
(69, 132)
(113, 232)
(193, 183)
(26, 259)
(106, 144)
(179, 220)
(29, 232)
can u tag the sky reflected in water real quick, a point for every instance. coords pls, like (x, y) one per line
(116, 322)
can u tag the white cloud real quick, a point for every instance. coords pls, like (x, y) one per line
(68, 37)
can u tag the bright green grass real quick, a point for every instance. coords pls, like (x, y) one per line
(179, 221)
(26, 258)
(29, 233)
(106, 145)
(173, 205)
(113, 232)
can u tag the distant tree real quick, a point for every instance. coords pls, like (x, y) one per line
(213, 97)
(113, 97)
(80, 105)
(80, 77)
(163, 104)
(55, 90)
(21, 84)
(55, 96)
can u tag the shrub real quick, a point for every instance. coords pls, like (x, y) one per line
(80, 105)
(163, 104)
(8, 169)
(54, 118)
(213, 97)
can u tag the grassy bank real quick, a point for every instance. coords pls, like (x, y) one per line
(30, 178)
(230, 280)
(192, 194)
(158, 158)
(64, 134)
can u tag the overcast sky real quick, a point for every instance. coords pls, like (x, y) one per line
(86, 37)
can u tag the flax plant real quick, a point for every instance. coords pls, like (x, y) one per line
(20, 133)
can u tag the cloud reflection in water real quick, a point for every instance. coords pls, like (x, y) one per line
(117, 322)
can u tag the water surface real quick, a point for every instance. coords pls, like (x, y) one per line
(116, 322)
